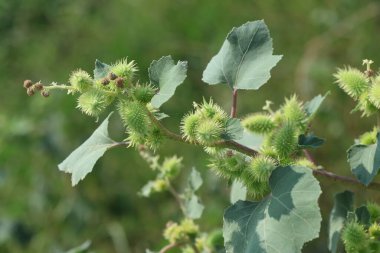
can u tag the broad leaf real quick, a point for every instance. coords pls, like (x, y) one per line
(364, 161)
(310, 141)
(234, 130)
(342, 205)
(82, 160)
(245, 59)
(238, 191)
(192, 206)
(166, 76)
(282, 222)
(312, 106)
(101, 70)
(250, 140)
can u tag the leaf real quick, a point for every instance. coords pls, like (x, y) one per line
(81, 248)
(362, 215)
(364, 161)
(234, 130)
(101, 70)
(282, 222)
(192, 206)
(343, 203)
(310, 141)
(312, 106)
(165, 75)
(251, 140)
(245, 59)
(146, 190)
(82, 160)
(238, 191)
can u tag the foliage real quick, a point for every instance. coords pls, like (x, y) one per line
(208, 128)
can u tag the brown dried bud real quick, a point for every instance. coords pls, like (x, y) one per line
(38, 86)
(45, 93)
(112, 76)
(30, 91)
(105, 81)
(27, 84)
(119, 82)
(369, 72)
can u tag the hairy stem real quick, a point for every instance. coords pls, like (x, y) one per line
(234, 103)
(177, 198)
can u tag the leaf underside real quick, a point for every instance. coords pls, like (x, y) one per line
(82, 160)
(364, 161)
(193, 207)
(343, 203)
(245, 58)
(312, 106)
(310, 141)
(101, 70)
(282, 222)
(166, 76)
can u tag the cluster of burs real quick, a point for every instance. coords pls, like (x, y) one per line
(280, 129)
(362, 235)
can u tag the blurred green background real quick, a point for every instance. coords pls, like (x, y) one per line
(47, 39)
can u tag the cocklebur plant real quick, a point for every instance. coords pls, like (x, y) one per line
(265, 156)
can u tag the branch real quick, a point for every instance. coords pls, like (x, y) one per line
(234, 103)
(171, 246)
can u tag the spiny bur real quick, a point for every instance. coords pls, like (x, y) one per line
(93, 102)
(354, 237)
(286, 140)
(134, 116)
(209, 131)
(374, 93)
(352, 81)
(259, 123)
(374, 211)
(81, 80)
(189, 126)
(143, 93)
(124, 69)
(228, 166)
(293, 112)
(260, 168)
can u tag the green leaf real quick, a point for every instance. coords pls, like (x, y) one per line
(234, 130)
(84, 247)
(250, 140)
(245, 59)
(238, 191)
(282, 222)
(310, 141)
(166, 76)
(82, 160)
(364, 161)
(312, 106)
(192, 206)
(101, 70)
(343, 203)
(362, 215)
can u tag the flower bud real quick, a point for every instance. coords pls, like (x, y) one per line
(45, 93)
(352, 81)
(38, 86)
(171, 166)
(119, 82)
(112, 76)
(105, 81)
(81, 80)
(30, 91)
(27, 84)
(259, 123)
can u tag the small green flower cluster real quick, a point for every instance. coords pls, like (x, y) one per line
(363, 238)
(363, 87)
(185, 231)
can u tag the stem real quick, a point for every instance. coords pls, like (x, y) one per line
(171, 246)
(177, 197)
(59, 87)
(194, 248)
(234, 103)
